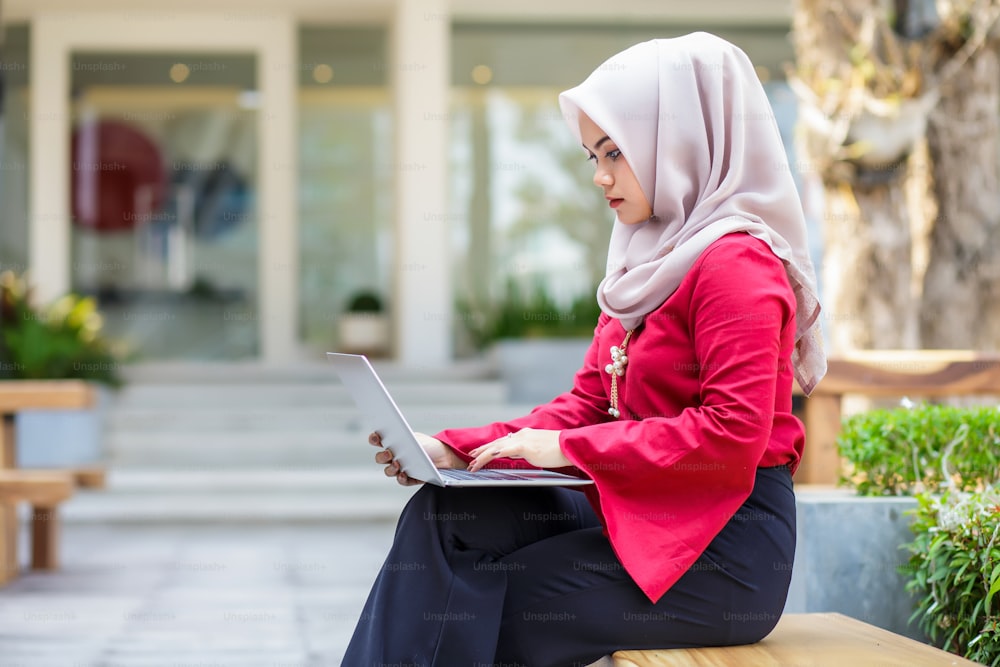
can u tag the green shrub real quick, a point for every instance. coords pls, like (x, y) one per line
(61, 341)
(954, 571)
(365, 302)
(905, 451)
(533, 314)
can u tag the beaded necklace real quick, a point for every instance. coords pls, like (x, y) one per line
(616, 369)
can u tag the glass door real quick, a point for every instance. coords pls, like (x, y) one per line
(163, 198)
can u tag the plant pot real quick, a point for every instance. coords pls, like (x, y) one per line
(846, 558)
(63, 438)
(364, 333)
(536, 370)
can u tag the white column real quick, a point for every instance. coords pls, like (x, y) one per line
(421, 72)
(278, 262)
(49, 251)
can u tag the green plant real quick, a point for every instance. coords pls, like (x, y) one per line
(954, 570)
(365, 302)
(532, 314)
(61, 341)
(922, 448)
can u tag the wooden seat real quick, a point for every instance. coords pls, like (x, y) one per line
(805, 640)
(43, 491)
(84, 477)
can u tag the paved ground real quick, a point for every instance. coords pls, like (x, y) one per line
(194, 595)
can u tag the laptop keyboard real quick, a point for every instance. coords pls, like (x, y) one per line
(487, 473)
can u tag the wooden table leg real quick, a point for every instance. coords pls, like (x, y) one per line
(9, 528)
(820, 459)
(45, 538)
(8, 443)
(8, 542)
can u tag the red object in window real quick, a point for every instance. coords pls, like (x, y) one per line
(118, 178)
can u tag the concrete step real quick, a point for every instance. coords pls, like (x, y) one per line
(296, 437)
(224, 449)
(359, 493)
(139, 420)
(297, 394)
(315, 369)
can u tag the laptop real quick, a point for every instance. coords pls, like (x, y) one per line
(382, 415)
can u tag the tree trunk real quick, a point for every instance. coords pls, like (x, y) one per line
(912, 252)
(961, 291)
(866, 272)
(866, 268)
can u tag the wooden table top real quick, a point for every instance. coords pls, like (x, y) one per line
(18, 395)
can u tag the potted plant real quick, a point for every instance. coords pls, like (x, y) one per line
(57, 342)
(869, 553)
(363, 328)
(536, 344)
(954, 571)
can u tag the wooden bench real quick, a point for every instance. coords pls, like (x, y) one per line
(805, 640)
(885, 374)
(44, 490)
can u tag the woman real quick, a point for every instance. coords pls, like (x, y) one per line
(681, 413)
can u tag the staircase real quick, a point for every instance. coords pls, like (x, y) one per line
(212, 442)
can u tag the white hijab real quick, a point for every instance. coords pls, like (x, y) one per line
(693, 122)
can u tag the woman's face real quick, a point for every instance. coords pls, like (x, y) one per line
(613, 175)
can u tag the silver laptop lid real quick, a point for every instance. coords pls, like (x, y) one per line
(382, 414)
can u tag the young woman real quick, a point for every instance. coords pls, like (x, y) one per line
(681, 413)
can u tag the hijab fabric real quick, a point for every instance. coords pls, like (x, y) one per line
(694, 123)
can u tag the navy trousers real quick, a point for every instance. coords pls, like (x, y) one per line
(525, 577)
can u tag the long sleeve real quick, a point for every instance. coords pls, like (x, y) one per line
(584, 404)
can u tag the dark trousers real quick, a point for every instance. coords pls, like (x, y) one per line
(525, 577)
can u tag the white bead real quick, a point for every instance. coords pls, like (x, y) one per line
(619, 371)
(614, 413)
(623, 360)
(609, 369)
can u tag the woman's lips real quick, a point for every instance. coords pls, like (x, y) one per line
(615, 203)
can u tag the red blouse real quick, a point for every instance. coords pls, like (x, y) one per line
(706, 399)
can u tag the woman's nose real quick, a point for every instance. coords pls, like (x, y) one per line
(602, 177)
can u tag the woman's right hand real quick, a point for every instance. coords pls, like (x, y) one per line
(441, 455)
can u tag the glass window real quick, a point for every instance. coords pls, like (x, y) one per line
(345, 177)
(164, 223)
(526, 212)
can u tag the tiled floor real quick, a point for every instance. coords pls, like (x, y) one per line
(194, 596)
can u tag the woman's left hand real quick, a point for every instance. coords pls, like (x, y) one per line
(538, 447)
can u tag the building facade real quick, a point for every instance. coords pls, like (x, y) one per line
(229, 178)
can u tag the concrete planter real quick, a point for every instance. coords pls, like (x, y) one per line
(63, 438)
(536, 370)
(364, 333)
(847, 556)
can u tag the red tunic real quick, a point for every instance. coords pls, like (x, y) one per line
(706, 399)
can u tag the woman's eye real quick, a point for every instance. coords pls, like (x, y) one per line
(614, 155)
(591, 157)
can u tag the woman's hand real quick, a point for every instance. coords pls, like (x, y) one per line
(442, 456)
(538, 447)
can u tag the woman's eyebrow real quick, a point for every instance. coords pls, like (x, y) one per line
(598, 144)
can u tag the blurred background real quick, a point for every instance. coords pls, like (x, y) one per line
(213, 221)
(200, 198)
